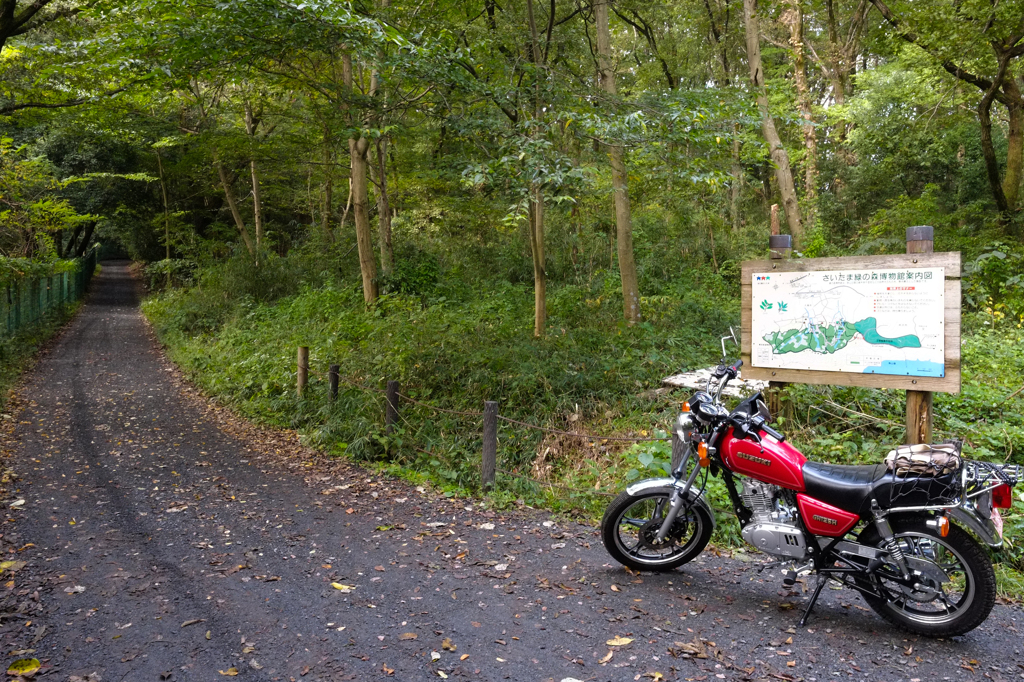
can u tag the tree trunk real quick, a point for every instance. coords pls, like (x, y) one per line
(1014, 143)
(328, 196)
(540, 310)
(358, 149)
(620, 181)
(387, 253)
(783, 172)
(229, 194)
(257, 205)
(803, 94)
(83, 245)
(69, 248)
(737, 178)
(167, 216)
(536, 212)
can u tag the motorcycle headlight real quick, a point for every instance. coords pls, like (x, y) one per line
(685, 426)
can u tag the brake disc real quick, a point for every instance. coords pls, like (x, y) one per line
(648, 533)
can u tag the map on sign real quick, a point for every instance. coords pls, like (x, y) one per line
(864, 321)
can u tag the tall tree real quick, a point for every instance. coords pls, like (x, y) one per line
(979, 44)
(620, 181)
(794, 18)
(536, 212)
(779, 156)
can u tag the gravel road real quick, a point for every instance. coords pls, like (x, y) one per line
(164, 539)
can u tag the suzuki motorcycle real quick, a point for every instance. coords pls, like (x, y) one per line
(904, 533)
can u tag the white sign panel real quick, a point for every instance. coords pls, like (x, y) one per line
(863, 321)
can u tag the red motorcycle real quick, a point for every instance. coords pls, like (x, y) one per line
(902, 533)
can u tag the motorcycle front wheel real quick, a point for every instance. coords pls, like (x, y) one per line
(630, 528)
(953, 588)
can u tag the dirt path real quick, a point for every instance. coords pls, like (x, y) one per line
(166, 541)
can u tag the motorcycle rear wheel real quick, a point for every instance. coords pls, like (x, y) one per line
(631, 522)
(938, 608)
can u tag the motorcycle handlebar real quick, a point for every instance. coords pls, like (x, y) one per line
(773, 433)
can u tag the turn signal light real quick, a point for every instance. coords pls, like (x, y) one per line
(1002, 497)
(702, 452)
(943, 526)
(686, 407)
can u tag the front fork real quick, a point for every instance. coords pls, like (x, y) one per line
(679, 493)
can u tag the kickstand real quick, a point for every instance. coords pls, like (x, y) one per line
(822, 579)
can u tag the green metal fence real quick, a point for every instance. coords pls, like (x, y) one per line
(26, 301)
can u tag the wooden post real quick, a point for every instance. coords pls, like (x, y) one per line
(920, 239)
(490, 453)
(391, 409)
(332, 381)
(781, 247)
(302, 376)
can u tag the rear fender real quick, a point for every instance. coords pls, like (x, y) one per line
(668, 486)
(971, 513)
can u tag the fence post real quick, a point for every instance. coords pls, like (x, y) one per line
(781, 248)
(332, 381)
(302, 376)
(920, 239)
(391, 409)
(490, 453)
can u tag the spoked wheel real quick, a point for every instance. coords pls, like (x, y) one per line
(630, 529)
(953, 586)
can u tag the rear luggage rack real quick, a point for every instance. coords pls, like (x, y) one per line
(980, 477)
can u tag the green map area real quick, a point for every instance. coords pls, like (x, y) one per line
(833, 337)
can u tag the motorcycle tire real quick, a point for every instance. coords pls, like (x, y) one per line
(972, 577)
(690, 532)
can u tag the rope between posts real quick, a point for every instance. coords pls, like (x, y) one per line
(581, 435)
(440, 409)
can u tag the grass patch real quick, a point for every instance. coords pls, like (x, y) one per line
(18, 352)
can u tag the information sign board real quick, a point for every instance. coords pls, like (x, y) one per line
(882, 321)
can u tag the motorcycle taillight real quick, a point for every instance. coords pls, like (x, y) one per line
(1002, 497)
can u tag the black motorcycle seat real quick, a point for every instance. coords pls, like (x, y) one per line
(852, 487)
(848, 487)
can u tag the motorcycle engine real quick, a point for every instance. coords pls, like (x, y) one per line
(771, 529)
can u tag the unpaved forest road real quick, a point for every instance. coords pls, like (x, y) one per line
(199, 552)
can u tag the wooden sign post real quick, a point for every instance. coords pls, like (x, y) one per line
(874, 321)
(920, 239)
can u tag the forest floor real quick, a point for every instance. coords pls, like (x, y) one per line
(158, 537)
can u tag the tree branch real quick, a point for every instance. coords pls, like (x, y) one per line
(11, 108)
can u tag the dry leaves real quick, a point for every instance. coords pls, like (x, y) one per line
(230, 672)
(408, 635)
(619, 641)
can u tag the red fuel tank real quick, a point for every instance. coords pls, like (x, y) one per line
(771, 461)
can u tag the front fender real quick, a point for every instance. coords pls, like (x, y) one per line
(668, 486)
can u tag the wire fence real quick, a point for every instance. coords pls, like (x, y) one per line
(26, 301)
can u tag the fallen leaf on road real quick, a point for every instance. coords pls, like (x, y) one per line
(207, 634)
(608, 656)
(12, 566)
(386, 669)
(442, 675)
(193, 622)
(447, 645)
(486, 526)
(230, 672)
(74, 590)
(463, 657)
(17, 503)
(619, 641)
(343, 588)
(25, 667)
(615, 588)
(408, 635)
